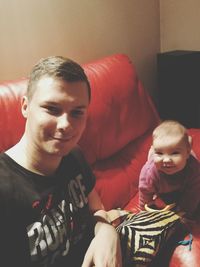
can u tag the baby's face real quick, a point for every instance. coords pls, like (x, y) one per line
(170, 154)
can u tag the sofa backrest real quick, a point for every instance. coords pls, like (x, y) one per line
(120, 109)
(11, 120)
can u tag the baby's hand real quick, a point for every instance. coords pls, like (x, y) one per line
(154, 208)
(158, 202)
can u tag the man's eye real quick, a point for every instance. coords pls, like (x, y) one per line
(77, 113)
(53, 110)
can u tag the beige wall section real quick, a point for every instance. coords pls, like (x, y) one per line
(83, 30)
(179, 25)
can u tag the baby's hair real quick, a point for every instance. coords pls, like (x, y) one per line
(171, 128)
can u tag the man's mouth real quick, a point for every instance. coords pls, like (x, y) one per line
(64, 138)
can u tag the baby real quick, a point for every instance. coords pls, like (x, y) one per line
(171, 175)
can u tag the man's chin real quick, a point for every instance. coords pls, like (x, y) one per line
(61, 151)
(61, 148)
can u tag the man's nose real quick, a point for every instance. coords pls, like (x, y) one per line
(63, 122)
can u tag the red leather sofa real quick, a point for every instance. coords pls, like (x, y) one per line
(117, 137)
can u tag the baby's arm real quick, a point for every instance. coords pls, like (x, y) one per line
(148, 182)
(145, 197)
(146, 188)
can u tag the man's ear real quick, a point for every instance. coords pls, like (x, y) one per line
(190, 140)
(190, 144)
(24, 106)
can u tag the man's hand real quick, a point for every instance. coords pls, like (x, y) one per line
(104, 250)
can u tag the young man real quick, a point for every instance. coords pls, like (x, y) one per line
(172, 174)
(50, 212)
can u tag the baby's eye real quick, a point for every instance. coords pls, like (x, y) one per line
(175, 153)
(158, 153)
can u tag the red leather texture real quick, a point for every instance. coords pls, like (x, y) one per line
(117, 137)
(11, 120)
(182, 257)
(120, 109)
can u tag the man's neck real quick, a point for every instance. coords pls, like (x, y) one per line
(32, 160)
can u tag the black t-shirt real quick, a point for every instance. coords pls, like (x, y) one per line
(44, 219)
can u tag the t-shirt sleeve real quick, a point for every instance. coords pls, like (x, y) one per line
(86, 169)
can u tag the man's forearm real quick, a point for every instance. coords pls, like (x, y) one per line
(100, 217)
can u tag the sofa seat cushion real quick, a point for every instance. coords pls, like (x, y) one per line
(133, 204)
(183, 257)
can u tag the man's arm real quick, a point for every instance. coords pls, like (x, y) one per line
(104, 249)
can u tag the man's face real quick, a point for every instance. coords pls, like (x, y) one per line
(56, 115)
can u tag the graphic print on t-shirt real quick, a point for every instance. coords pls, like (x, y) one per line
(49, 237)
